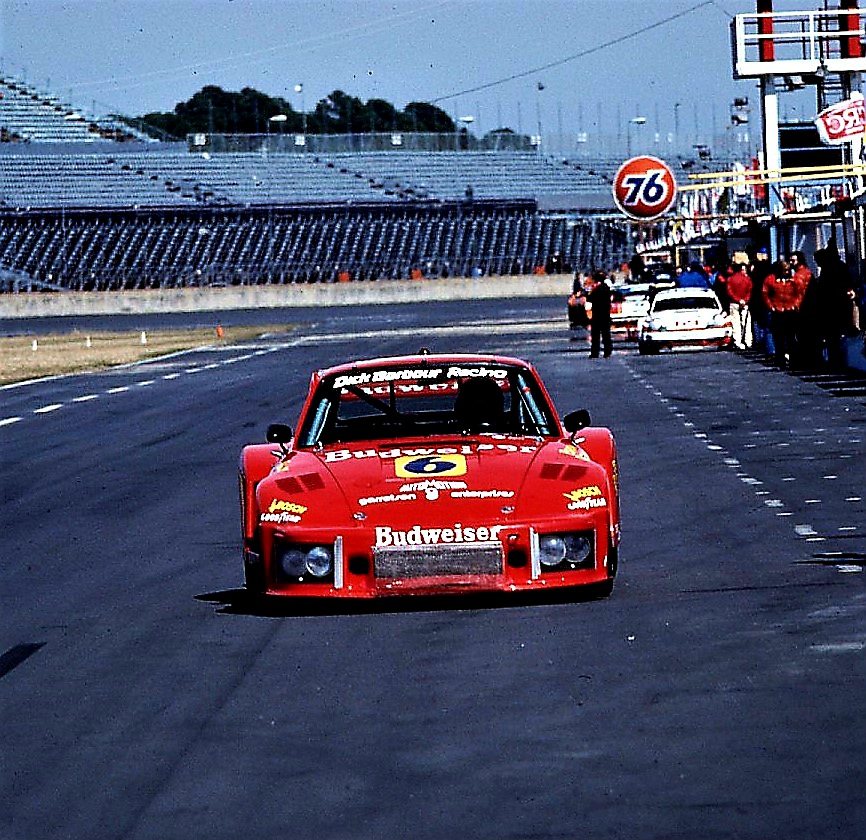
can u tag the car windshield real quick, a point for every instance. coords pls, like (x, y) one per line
(448, 399)
(671, 303)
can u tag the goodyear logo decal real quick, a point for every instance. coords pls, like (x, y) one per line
(585, 498)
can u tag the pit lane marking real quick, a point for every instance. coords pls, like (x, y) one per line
(805, 531)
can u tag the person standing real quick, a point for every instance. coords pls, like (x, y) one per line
(783, 296)
(836, 308)
(758, 313)
(739, 288)
(599, 325)
(801, 274)
(694, 277)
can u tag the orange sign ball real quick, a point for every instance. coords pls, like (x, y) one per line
(644, 187)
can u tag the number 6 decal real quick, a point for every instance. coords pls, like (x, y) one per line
(644, 187)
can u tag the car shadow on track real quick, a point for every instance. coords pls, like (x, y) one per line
(242, 602)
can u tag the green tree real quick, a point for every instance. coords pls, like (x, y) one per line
(216, 111)
(422, 116)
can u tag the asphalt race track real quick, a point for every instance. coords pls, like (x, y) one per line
(719, 692)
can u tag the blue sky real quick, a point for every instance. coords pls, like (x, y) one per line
(598, 61)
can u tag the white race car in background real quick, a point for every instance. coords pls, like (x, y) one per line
(684, 318)
(628, 304)
(631, 301)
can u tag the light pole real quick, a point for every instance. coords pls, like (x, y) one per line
(631, 122)
(299, 89)
(538, 88)
(279, 119)
(467, 121)
(677, 106)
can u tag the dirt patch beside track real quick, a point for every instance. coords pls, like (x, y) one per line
(32, 357)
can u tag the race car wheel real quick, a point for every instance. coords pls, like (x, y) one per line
(254, 577)
(603, 589)
(643, 348)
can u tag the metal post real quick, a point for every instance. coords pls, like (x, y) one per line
(772, 157)
(852, 48)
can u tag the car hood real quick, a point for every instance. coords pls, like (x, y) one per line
(484, 479)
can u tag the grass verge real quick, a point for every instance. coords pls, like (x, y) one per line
(32, 357)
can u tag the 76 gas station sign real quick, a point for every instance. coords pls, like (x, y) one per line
(644, 188)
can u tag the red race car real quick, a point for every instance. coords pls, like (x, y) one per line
(430, 474)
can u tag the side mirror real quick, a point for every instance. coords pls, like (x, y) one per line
(279, 433)
(574, 421)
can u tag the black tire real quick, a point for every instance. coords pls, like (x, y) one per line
(254, 577)
(603, 589)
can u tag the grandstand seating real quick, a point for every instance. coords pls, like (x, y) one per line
(167, 174)
(28, 116)
(116, 249)
(81, 210)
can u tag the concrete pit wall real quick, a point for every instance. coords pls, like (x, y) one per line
(53, 304)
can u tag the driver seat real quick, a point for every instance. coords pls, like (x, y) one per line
(480, 406)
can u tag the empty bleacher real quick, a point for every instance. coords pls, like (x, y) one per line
(30, 116)
(106, 250)
(167, 174)
(80, 210)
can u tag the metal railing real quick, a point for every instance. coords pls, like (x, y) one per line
(794, 43)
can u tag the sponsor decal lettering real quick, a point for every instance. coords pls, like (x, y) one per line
(282, 511)
(349, 380)
(574, 452)
(334, 455)
(482, 494)
(287, 506)
(354, 380)
(457, 372)
(429, 377)
(416, 535)
(407, 466)
(585, 498)
(397, 375)
(281, 518)
(586, 504)
(432, 487)
(391, 497)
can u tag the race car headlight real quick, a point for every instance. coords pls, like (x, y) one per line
(292, 562)
(551, 551)
(295, 561)
(568, 550)
(319, 561)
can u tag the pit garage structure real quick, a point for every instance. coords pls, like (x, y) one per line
(795, 51)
